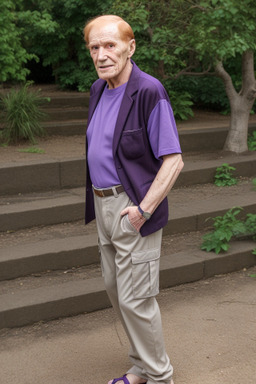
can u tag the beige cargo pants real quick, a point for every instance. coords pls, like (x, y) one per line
(130, 266)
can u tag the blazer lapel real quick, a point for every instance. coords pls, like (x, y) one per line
(126, 105)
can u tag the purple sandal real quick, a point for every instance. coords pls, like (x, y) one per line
(123, 378)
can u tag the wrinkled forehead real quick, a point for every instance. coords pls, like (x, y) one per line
(104, 31)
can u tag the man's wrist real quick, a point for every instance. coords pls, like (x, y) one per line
(146, 215)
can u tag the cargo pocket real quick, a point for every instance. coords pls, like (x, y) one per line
(145, 273)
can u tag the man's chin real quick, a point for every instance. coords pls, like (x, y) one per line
(105, 76)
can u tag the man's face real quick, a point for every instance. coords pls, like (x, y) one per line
(110, 53)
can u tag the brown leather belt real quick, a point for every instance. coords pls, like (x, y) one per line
(109, 192)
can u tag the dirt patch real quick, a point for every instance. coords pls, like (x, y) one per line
(54, 148)
(209, 330)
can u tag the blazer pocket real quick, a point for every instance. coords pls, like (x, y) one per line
(132, 144)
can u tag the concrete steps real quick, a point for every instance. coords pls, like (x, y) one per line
(49, 263)
(22, 302)
(66, 128)
(67, 115)
(55, 207)
(49, 175)
(50, 247)
(25, 306)
(66, 99)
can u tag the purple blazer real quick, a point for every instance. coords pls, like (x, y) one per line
(134, 160)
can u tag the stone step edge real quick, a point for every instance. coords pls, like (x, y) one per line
(83, 250)
(73, 298)
(71, 208)
(54, 254)
(58, 174)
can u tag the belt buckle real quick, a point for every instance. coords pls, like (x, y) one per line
(114, 190)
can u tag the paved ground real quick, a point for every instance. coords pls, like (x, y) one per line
(209, 326)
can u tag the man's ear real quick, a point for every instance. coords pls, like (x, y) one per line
(132, 47)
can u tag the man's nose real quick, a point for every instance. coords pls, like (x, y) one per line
(101, 54)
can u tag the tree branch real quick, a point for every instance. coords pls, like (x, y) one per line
(223, 74)
(187, 72)
(251, 94)
(203, 9)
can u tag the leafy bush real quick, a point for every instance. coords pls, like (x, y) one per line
(206, 91)
(223, 176)
(252, 141)
(13, 55)
(227, 227)
(250, 225)
(181, 104)
(21, 115)
(54, 30)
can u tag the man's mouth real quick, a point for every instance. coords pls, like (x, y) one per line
(105, 66)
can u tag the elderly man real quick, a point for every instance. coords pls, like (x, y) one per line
(133, 160)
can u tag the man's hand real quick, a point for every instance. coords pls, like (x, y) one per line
(134, 216)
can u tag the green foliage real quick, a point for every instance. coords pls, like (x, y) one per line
(181, 104)
(250, 225)
(252, 141)
(53, 31)
(205, 92)
(21, 115)
(173, 37)
(223, 176)
(221, 29)
(149, 21)
(13, 55)
(227, 227)
(182, 37)
(254, 183)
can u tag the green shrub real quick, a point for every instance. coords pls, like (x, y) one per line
(252, 141)
(21, 115)
(13, 54)
(181, 105)
(206, 92)
(250, 225)
(224, 177)
(227, 227)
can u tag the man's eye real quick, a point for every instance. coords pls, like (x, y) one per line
(94, 48)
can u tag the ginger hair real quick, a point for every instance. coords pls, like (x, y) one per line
(125, 29)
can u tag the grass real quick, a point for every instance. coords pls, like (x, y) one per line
(32, 150)
(21, 115)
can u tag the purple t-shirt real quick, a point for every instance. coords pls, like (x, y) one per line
(162, 131)
(100, 138)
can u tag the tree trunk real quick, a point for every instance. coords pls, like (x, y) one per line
(240, 104)
(236, 140)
